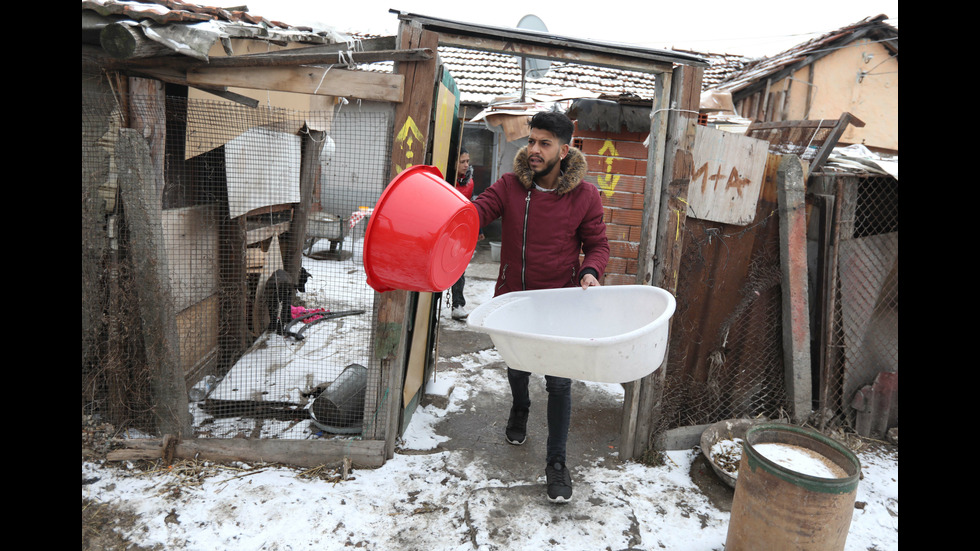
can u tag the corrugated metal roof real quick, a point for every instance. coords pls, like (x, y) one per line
(237, 23)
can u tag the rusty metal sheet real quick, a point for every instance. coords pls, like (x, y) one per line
(725, 341)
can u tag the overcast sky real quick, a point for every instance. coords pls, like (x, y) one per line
(750, 27)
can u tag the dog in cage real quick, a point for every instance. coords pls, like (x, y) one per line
(279, 292)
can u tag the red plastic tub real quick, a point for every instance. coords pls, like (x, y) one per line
(421, 235)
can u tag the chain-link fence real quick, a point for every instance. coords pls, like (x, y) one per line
(857, 350)
(726, 356)
(201, 290)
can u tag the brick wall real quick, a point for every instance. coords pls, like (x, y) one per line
(618, 165)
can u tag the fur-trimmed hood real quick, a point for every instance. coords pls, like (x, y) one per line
(573, 170)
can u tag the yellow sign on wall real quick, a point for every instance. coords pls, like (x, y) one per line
(608, 181)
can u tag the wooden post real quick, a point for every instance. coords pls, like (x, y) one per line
(647, 248)
(796, 309)
(309, 173)
(669, 247)
(142, 208)
(664, 208)
(412, 116)
(128, 42)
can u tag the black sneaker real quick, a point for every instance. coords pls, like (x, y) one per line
(559, 482)
(516, 432)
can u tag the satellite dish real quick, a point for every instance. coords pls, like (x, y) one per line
(533, 68)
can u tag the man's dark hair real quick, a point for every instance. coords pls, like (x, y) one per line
(556, 123)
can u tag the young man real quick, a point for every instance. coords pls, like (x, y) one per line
(464, 185)
(549, 216)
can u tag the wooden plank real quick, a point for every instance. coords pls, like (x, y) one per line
(155, 299)
(831, 141)
(309, 174)
(299, 453)
(727, 179)
(337, 57)
(682, 89)
(653, 187)
(556, 53)
(415, 373)
(305, 80)
(669, 246)
(197, 328)
(411, 125)
(795, 304)
(811, 141)
(191, 239)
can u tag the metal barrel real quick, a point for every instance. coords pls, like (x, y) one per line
(776, 507)
(341, 405)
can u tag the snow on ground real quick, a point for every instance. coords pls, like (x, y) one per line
(438, 501)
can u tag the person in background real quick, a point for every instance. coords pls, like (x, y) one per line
(549, 216)
(464, 185)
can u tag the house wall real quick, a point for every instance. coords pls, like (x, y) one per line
(838, 87)
(618, 166)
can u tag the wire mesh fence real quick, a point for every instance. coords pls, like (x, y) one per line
(726, 356)
(725, 359)
(196, 266)
(858, 349)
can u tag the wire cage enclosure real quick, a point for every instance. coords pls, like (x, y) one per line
(252, 225)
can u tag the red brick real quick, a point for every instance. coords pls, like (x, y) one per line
(621, 200)
(627, 216)
(618, 232)
(591, 147)
(598, 134)
(619, 279)
(618, 165)
(617, 265)
(607, 215)
(632, 150)
(605, 135)
(631, 183)
(628, 183)
(623, 249)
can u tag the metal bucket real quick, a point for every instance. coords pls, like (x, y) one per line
(340, 408)
(777, 507)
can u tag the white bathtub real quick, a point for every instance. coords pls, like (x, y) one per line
(608, 334)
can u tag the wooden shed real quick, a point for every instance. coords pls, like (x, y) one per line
(160, 170)
(853, 70)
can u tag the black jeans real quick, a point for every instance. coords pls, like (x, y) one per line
(559, 408)
(457, 292)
